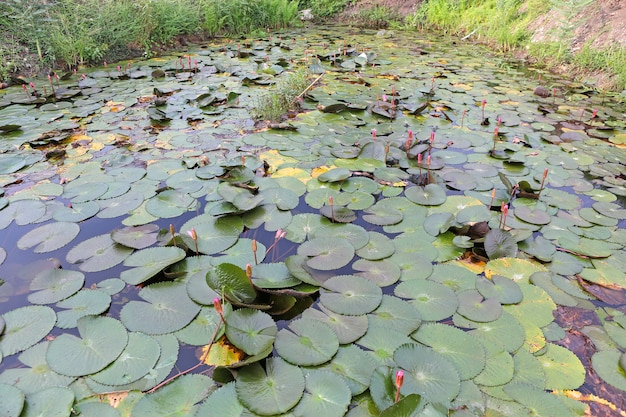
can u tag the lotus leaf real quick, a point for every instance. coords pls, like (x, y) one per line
(252, 331)
(49, 237)
(473, 306)
(53, 285)
(178, 398)
(354, 365)
(11, 400)
(273, 390)
(138, 237)
(381, 343)
(50, 402)
(350, 295)
(429, 195)
(607, 364)
(327, 253)
(222, 402)
(98, 253)
(25, 326)
(149, 262)
(325, 393)
(383, 273)
(434, 301)
(537, 400)
(214, 234)
(504, 289)
(85, 302)
(307, 342)
(347, 328)
(233, 281)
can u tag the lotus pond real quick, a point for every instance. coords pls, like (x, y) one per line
(427, 209)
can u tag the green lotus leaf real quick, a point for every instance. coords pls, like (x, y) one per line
(283, 198)
(499, 366)
(50, 402)
(429, 195)
(100, 342)
(604, 273)
(327, 253)
(354, 365)
(319, 197)
(382, 215)
(503, 289)
(338, 214)
(536, 307)
(35, 375)
(241, 253)
(167, 308)
(222, 402)
(459, 180)
(539, 247)
(11, 163)
(588, 247)
(76, 212)
(473, 306)
(500, 244)
(98, 253)
(11, 400)
(49, 237)
(563, 369)
(607, 364)
(242, 198)
(565, 264)
(473, 214)
(85, 302)
(119, 206)
(184, 181)
(82, 191)
(3, 255)
(438, 223)
(137, 237)
(53, 285)
(170, 203)
(356, 235)
(427, 373)
(347, 328)
(396, 314)
(252, 331)
(359, 164)
(506, 331)
(560, 297)
(334, 175)
(95, 408)
(203, 327)
(149, 262)
(378, 246)
(350, 295)
(528, 369)
(595, 217)
(383, 273)
(306, 342)
(273, 390)
(25, 326)
(363, 184)
(454, 277)
(519, 270)
(537, 400)
(232, 281)
(407, 406)
(434, 301)
(466, 352)
(273, 275)
(268, 216)
(181, 397)
(136, 360)
(23, 212)
(111, 286)
(304, 224)
(382, 388)
(535, 216)
(214, 234)
(325, 393)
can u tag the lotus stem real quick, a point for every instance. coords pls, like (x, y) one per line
(408, 143)
(374, 132)
(254, 248)
(543, 180)
(280, 233)
(428, 167)
(399, 382)
(554, 95)
(249, 273)
(431, 141)
(419, 164)
(28, 96)
(463, 117)
(332, 208)
(52, 86)
(496, 130)
(483, 104)
(504, 208)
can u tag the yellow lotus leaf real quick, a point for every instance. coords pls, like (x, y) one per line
(222, 353)
(297, 173)
(513, 268)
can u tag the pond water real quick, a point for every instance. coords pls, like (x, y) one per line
(429, 207)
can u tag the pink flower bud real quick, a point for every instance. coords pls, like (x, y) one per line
(218, 306)
(192, 234)
(384, 97)
(374, 133)
(484, 103)
(432, 136)
(419, 158)
(249, 271)
(399, 379)
(410, 134)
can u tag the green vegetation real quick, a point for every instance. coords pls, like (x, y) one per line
(70, 33)
(377, 17)
(326, 8)
(507, 23)
(275, 103)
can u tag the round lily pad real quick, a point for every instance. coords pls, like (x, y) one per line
(434, 301)
(607, 364)
(49, 237)
(500, 244)
(465, 351)
(100, 342)
(537, 400)
(477, 308)
(347, 328)
(503, 289)
(167, 308)
(429, 195)
(535, 216)
(85, 302)
(177, 398)
(50, 402)
(232, 281)
(609, 209)
(325, 393)
(427, 373)
(137, 237)
(306, 342)
(378, 247)
(252, 331)
(354, 365)
(98, 253)
(149, 262)
(11, 400)
(214, 234)
(222, 402)
(25, 326)
(383, 273)
(273, 390)
(350, 294)
(562, 367)
(327, 253)
(77, 212)
(506, 331)
(53, 285)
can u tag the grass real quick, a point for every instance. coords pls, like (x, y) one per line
(272, 105)
(377, 17)
(507, 25)
(70, 33)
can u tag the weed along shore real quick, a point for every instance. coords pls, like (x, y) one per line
(315, 219)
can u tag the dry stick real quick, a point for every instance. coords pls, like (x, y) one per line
(309, 87)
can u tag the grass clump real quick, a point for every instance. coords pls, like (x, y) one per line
(326, 8)
(238, 17)
(272, 105)
(377, 17)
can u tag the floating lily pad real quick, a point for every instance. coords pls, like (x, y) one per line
(273, 390)
(180, 397)
(135, 361)
(383, 273)
(474, 306)
(252, 331)
(434, 301)
(49, 237)
(50, 402)
(505, 290)
(347, 328)
(537, 400)
(378, 247)
(149, 262)
(350, 294)
(327, 253)
(325, 393)
(429, 195)
(25, 326)
(232, 281)
(98, 253)
(22, 211)
(77, 212)
(562, 367)
(11, 400)
(53, 285)
(138, 237)
(306, 342)
(214, 234)
(85, 302)
(100, 342)
(500, 244)
(607, 364)
(427, 373)
(167, 308)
